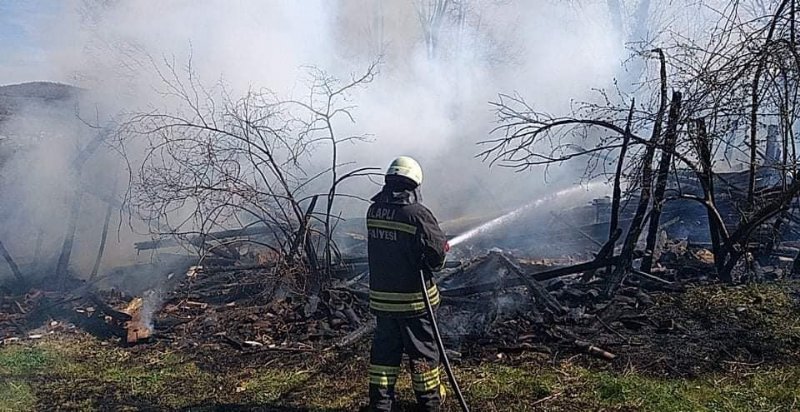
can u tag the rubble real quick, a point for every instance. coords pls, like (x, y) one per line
(252, 310)
(493, 302)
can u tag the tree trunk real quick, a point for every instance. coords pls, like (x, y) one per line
(69, 239)
(670, 138)
(617, 194)
(11, 263)
(632, 237)
(703, 147)
(104, 234)
(300, 237)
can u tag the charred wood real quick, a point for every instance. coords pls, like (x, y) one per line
(536, 290)
(617, 194)
(355, 336)
(69, 239)
(103, 236)
(200, 239)
(108, 310)
(653, 278)
(646, 176)
(11, 263)
(670, 139)
(540, 276)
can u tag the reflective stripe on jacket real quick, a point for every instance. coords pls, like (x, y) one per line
(395, 302)
(403, 239)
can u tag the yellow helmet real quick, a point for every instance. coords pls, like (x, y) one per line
(406, 167)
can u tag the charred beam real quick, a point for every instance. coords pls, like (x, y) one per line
(200, 239)
(103, 235)
(11, 263)
(535, 289)
(540, 276)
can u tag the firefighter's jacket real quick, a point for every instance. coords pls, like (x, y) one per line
(403, 239)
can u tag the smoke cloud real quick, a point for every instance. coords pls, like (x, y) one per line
(429, 101)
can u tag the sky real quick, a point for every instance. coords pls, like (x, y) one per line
(22, 39)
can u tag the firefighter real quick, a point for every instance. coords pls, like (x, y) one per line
(403, 239)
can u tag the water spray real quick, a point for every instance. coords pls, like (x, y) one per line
(510, 216)
(483, 228)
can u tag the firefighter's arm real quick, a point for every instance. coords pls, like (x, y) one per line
(433, 241)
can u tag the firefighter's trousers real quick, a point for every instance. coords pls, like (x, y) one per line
(414, 336)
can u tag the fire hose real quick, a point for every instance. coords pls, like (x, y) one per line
(440, 344)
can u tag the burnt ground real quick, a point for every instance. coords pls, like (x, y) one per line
(703, 330)
(709, 347)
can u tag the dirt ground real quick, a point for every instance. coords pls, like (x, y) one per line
(712, 347)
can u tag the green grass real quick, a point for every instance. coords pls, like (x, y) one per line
(161, 378)
(269, 385)
(763, 389)
(494, 381)
(17, 365)
(24, 361)
(16, 395)
(769, 307)
(84, 375)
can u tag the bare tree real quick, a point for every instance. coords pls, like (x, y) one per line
(222, 163)
(747, 72)
(432, 15)
(326, 103)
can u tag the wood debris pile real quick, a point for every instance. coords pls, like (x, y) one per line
(38, 312)
(494, 302)
(252, 309)
(498, 303)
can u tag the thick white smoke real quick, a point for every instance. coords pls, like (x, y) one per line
(430, 102)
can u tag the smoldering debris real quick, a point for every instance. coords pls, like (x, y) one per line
(493, 302)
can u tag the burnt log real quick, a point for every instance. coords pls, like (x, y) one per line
(355, 336)
(103, 235)
(539, 292)
(108, 310)
(539, 276)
